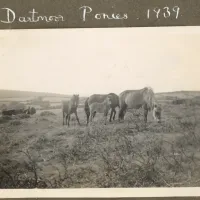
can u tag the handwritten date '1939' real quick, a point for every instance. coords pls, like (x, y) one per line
(165, 12)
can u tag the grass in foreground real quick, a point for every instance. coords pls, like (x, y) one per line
(39, 152)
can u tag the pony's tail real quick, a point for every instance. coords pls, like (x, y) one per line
(86, 107)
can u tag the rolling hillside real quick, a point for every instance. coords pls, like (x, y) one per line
(22, 94)
(26, 94)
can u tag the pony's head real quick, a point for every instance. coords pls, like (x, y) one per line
(75, 100)
(157, 110)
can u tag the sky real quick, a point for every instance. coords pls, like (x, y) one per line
(88, 61)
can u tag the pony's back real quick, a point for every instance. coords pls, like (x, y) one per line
(122, 96)
(96, 98)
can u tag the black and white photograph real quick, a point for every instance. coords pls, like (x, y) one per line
(100, 108)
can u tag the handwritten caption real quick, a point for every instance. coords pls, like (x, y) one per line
(87, 13)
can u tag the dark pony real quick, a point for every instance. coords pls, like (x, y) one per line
(99, 98)
(70, 107)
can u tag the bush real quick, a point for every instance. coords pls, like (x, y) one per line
(22, 116)
(15, 122)
(179, 101)
(5, 119)
(47, 113)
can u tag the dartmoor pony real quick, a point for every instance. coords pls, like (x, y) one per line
(103, 107)
(135, 99)
(70, 107)
(99, 98)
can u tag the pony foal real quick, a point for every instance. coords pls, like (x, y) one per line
(103, 107)
(99, 98)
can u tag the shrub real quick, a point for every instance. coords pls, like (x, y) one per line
(15, 122)
(4, 119)
(22, 116)
(47, 113)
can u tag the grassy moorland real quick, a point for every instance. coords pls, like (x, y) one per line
(37, 151)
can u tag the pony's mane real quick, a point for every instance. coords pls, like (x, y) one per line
(149, 89)
(150, 99)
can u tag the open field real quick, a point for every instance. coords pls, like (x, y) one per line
(37, 151)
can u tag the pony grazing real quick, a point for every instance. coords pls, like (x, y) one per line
(135, 99)
(99, 98)
(103, 107)
(70, 107)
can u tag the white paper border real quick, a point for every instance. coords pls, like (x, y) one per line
(100, 193)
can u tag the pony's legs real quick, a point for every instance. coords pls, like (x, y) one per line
(68, 119)
(77, 118)
(111, 114)
(94, 114)
(87, 112)
(105, 118)
(91, 116)
(114, 114)
(154, 116)
(63, 118)
(87, 116)
(122, 112)
(145, 113)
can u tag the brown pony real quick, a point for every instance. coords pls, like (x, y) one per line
(70, 107)
(135, 99)
(99, 98)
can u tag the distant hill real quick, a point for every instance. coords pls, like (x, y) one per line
(26, 94)
(179, 94)
(22, 94)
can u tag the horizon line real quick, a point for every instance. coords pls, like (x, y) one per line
(62, 94)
